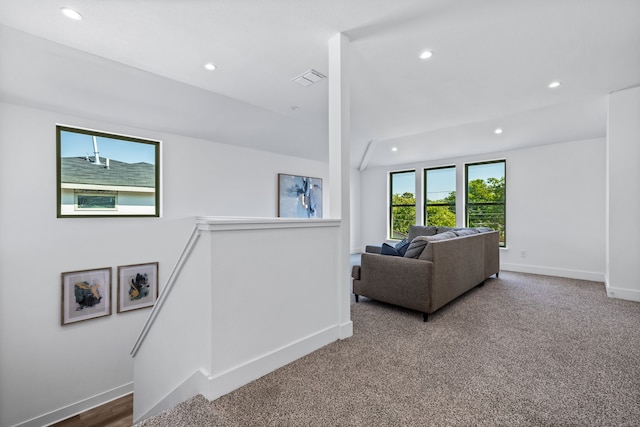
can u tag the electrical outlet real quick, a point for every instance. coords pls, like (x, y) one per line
(523, 254)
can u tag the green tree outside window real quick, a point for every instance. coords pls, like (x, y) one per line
(402, 203)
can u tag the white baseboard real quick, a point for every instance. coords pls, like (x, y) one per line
(621, 293)
(557, 272)
(192, 386)
(225, 382)
(78, 407)
(219, 384)
(346, 330)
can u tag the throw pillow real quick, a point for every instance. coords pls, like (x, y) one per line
(387, 249)
(427, 253)
(416, 247)
(402, 246)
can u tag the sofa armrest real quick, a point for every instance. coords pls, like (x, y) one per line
(373, 249)
(395, 280)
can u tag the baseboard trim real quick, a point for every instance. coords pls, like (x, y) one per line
(213, 386)
(192, 386)
(621, 293)
(227, 381)
(346, 330)
(557, 272)
(78, 407)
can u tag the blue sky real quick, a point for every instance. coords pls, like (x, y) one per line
(80, 145)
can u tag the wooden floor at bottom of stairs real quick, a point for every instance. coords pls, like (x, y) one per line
(117, 413)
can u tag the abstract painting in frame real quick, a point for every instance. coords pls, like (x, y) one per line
(103, 175)
(86, 295)
(137, 286)
(299, 196)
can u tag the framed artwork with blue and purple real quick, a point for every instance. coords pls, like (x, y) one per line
(299, 196)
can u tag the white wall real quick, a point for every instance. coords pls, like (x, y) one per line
(623, 176)
(48, 371)
(555, 207)
(356, 203)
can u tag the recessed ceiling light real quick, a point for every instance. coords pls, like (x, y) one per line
(554, 85)
(394, 148)
(71, 14)
(498, 131)
(426, 54)
(294, 107)
(210, 66)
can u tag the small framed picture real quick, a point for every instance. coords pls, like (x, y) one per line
(86, 295)
(137, 286)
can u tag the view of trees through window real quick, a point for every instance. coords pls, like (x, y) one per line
(440, 196)
(485, 198)
(402, 203)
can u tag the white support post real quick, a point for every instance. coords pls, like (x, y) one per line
(339, 168)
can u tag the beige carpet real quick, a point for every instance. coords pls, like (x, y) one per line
(523, 350)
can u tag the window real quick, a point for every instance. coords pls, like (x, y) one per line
(102, 174)
(96, 200)
(485, 196)
(440, 196)
(402, 203)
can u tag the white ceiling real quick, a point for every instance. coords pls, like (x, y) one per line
(492, 64)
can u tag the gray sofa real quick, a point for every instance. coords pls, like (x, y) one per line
(440, 265)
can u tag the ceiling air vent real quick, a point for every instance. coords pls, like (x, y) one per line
(308, 78)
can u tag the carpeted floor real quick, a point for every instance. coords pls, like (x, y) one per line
(523, 350)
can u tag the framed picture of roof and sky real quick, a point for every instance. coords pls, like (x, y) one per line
(102, 175)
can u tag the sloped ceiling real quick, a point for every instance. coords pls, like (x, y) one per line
(491, 66)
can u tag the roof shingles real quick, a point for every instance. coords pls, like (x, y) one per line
(77, 170)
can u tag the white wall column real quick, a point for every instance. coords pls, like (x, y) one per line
(623, 195)
(339, 130)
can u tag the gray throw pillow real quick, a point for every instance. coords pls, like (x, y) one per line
(427, 253)
(416, 247)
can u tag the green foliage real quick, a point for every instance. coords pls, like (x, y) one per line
(403, 214)
(442, 216)
(491, 190)
(486, 204)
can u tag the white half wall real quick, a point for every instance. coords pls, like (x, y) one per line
(49, 372)
(555, 207)
(254, 295)
(623, 208)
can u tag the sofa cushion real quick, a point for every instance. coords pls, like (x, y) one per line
(484, 229)
(427, 253)
(443, 230)
(387, 249)
(421, 230)
(355, 272)
(465, 231)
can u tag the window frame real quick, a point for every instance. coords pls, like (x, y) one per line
(503, 240)
(69, 181)
(391, 205)
(426, 199)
